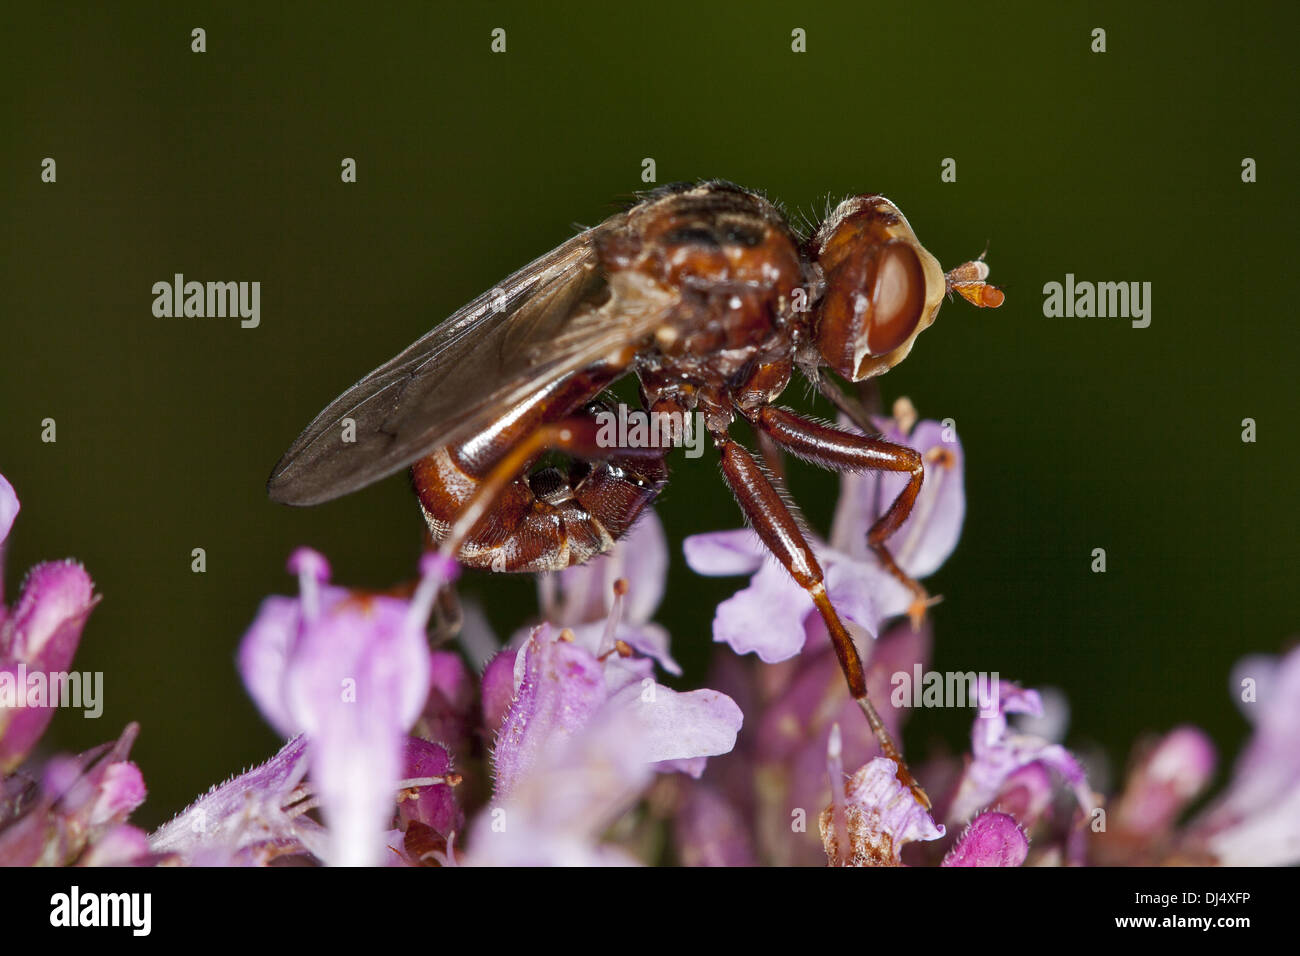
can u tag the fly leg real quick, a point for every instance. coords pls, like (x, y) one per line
(858, 409)
(846, 451)
(780, 532)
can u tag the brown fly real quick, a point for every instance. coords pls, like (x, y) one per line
(708, 295)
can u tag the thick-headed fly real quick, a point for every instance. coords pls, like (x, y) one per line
(709, 296)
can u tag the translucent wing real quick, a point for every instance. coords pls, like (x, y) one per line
(548, 320)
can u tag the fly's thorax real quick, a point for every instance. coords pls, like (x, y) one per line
(726, 255)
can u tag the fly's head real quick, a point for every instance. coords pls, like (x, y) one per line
(882, 288)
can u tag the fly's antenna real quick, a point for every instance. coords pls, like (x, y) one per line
(968, 281)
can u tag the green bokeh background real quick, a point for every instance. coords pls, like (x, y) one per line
(1079, 433)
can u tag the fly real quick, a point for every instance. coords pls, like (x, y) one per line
(712, 300)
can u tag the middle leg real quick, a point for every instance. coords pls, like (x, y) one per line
(841, 450)
(780, 532)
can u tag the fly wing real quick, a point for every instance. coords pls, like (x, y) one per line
(551, 318)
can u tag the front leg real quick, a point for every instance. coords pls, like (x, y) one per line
(842, 450)
(780, 532)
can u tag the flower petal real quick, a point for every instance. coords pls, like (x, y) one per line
(37, 640)
(244, 820)
(80, 799)
(929, 535)
(561, 685)
(1256, 821)
(678, 726)
(725, 553)
(556, 813)
(434, 805)
(999, 751)
(122, 845)
(9, 508)
(264, 658)
(355, 686)
(45, 625)
(497, 688)
(881, 816)
(352, 672)
(1164, 781)
(766, 618)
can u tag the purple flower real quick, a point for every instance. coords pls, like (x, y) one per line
(1027, 794)
(999, 751)
(581, 739)
(429, 798)
(497, 688)
(38, 638)
(9, 508)
(563, 687)
(1256, 821)
(78, 802)
(583, 599)
(121, 845)
(560, 686)
(929, 535)
(871, 819)
(810, 698)
(769, 617)
(77, 811)
(248, 820)
(351, 672)
(1163, 782)
(557, 813)
(608, 648)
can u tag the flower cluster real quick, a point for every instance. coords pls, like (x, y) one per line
(565, 745)
(394, 743)
(75, 809)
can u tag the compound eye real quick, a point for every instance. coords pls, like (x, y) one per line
(897, 298)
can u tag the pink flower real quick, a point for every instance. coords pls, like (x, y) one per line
(1256, 820)
(38, 638)
(873, 816)
(352, 673)
(992, 839)
(581, 738)
(999, 751)
(248, 820)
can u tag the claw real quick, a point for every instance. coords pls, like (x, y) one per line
(904, 776)
(923, 601)
(890, 750)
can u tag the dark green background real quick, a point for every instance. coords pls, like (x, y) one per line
(1079, 433)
